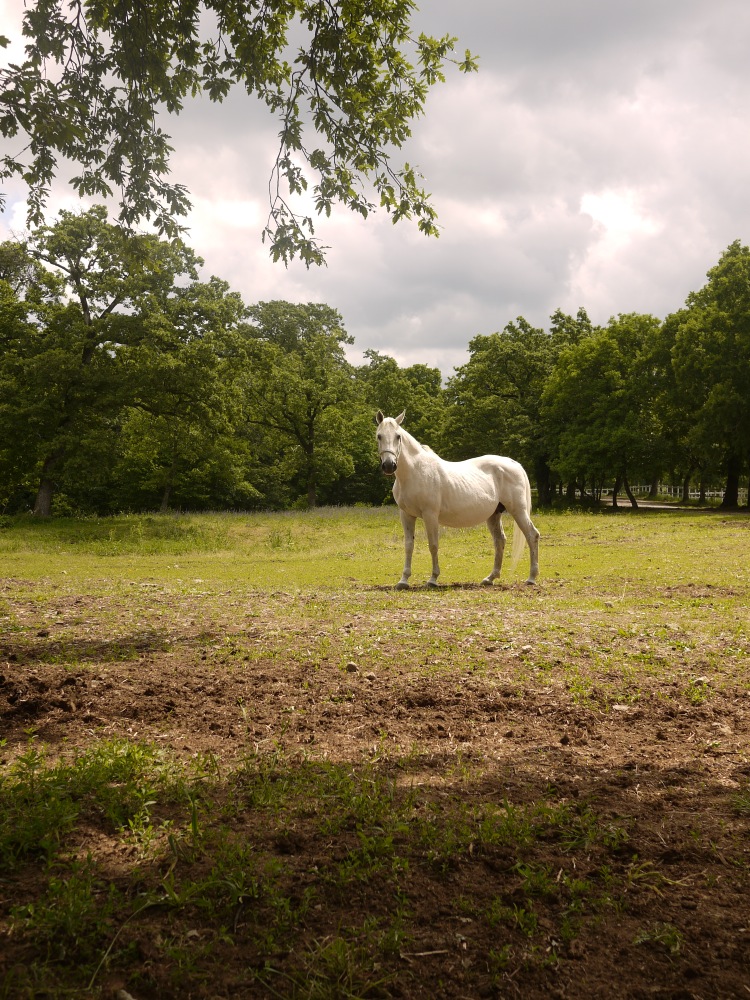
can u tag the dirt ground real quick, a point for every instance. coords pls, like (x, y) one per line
(672, 773)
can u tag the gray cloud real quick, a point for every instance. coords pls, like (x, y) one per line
(600, 158)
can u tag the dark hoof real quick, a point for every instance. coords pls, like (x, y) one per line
(402, 586)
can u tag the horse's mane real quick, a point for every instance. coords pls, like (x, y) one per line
(424, 447)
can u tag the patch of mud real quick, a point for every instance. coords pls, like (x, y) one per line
(666, 771)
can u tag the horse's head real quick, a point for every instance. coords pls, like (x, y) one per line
(389, 441)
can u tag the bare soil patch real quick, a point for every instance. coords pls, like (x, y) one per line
(667, 775)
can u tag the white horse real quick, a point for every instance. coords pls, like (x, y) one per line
(457, 494)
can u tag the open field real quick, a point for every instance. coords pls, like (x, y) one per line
(236, 762)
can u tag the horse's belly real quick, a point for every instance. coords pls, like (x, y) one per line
(469, 515)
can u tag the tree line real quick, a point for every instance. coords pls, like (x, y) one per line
(127, 382)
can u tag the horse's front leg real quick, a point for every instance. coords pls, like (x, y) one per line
(408, 522)
(433, 534)
(495, 524)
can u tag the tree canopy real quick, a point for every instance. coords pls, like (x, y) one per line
(103, 320)
(299, 386)
(710, 359)
(345, 81)
(496, 396)
(597, 404)
(129, 382)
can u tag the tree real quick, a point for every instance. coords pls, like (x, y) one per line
(710, 352)
(166, 462)
(495, 399)
(418, 389)
(566, 331)
(16, 330)
(301, 389)
(688, 443)
(185, 399)
(112, 278)
(598, 404)
(71, 372)
(26, 288)
(357, 80)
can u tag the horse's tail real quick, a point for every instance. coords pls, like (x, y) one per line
(519, 541)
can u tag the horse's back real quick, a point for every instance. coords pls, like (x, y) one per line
(509, 477)
(491, 463)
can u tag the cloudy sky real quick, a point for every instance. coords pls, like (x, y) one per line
(600, 158)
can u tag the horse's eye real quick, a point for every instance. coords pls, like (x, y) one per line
(379, 436)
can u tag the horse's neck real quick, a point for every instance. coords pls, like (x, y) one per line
(410, 449)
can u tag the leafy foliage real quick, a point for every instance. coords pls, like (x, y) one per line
(355, 78)
(496, 397)
(111, 329)
(598, 402)
(710, 351)
(298, 390)
(128, 383)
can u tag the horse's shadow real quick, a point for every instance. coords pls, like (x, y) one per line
(423, 588)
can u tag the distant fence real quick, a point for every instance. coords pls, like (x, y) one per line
(665, 491)
(676, 491)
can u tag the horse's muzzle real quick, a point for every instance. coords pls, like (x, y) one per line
(388, 466)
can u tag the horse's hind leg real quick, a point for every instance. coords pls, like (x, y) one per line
(408, 524)
(495, 524)
(531, 534)
(432, 528)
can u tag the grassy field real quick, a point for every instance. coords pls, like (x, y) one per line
(236, 762)
(334, 547)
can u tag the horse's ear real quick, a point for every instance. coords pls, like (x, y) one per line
(400, 417)
(379, 417)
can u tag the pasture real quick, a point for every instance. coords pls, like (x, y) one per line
(236, 762)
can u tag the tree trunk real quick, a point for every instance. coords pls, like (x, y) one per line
(616, 490)
(543, 482)
(43, 502)
(312, 492)
(309, 446)
(702, 497)
(731, 498)
(686, 485)
(653, 493)
(171, 474)
(164, 506)
(631, 497)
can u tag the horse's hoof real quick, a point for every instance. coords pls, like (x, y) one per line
(486, 582)
(531, 583)
(402, 586)
(433, 585)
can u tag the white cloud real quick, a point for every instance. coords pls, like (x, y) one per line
(619, 218)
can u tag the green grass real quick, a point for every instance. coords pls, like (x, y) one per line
(656, 594)
(122, 858)
(334, 547)
(198, 862)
